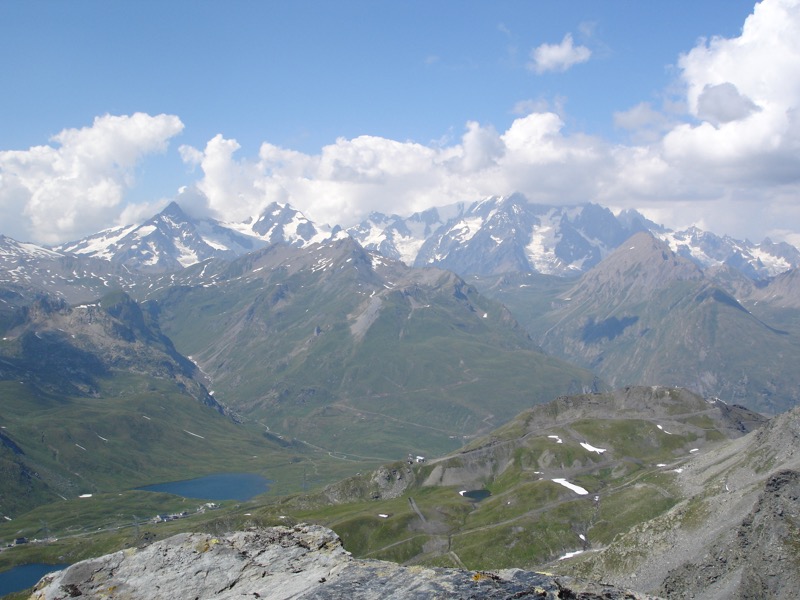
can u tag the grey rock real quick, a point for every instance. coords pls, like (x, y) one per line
(759, 560)
(307, 561)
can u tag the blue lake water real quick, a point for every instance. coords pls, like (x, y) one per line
(24, 576)
(477, 495)
(220, 486)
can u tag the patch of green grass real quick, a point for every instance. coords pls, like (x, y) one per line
(633, 438)
(86, 515)
(622, 509)
(527, 541)
(519, 500)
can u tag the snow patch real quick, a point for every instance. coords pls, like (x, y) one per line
(468, 228)
(541, 249)
(575, 488)
(591, 448)
(145, 230)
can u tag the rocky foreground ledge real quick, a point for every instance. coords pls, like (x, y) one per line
(307, 561)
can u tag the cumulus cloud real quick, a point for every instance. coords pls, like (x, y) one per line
(228, 186)
(76, 186)
(739, 146)
(722, 103)
(482, 146)
(558, 57)
(352, 177)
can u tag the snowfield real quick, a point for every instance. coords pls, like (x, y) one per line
(575, 488)
(591, 448)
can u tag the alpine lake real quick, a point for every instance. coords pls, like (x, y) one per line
(216, 487)
(219, 486)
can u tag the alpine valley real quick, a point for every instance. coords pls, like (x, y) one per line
(479, 386)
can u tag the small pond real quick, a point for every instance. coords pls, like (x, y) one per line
(24, 576)
(476, 495)
(220, 486)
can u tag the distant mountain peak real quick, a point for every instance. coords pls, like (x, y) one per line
(756, 261)
(653, 260)
(504, 234)
(171, 240)
(491, 236)
(633, 273)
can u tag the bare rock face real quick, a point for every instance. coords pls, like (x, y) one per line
(307, 561)
(759, 559)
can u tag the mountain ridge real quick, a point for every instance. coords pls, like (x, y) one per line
(320, 335)
(646, 314)
(651, 488)
(490, 236)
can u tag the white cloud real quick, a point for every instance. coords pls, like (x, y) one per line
(736, 161)
(350, 178)
(558, 57)
(229, 186)
(482, 147)
(722, 103)
(76, 186)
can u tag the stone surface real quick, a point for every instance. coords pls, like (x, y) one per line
(758, 559)
(307, 561)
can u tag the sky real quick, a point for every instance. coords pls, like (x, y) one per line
(686, 111)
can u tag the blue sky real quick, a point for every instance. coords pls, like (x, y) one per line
(345, 107)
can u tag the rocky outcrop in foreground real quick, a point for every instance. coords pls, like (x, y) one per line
(307, 561)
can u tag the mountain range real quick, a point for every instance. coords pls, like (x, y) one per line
(630, 300)
(647, 314)
(184, 346)
(492, 236)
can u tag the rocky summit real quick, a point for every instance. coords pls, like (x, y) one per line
(306, 561)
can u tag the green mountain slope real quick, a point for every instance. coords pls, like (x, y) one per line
(733, 534)
(95, 398)
(357, 354)
(647, 487)
(648, 316)
(567, 476)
